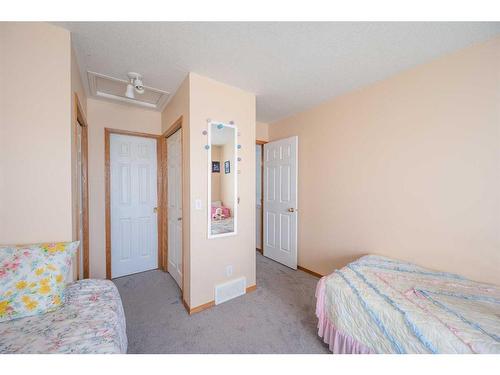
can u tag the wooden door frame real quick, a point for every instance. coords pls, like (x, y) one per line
(261, 143)
(107, 167)
(177, 125)
(79, 119)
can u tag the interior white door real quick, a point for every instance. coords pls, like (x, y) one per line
(258, 197)
(134, 227)
(174, 216)
(280, 201)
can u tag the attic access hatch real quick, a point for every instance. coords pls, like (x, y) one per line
(110, 88)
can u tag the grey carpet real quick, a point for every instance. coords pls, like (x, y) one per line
(276, 318)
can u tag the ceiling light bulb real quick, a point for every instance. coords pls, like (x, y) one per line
(139, 87)
(130, 91)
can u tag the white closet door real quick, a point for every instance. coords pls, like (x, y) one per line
(174, 222)
(134, 229)
(280, 201)
(258, 196)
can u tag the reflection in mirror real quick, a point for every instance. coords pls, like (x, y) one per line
(222, 175)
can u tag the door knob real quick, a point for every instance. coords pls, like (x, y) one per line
(155, 209)
(179, 218)
(292, 209)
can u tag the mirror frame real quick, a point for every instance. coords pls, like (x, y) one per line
(235, 181)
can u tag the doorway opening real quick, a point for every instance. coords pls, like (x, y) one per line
(279, 197)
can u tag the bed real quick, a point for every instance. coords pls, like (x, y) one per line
(381, 305)
(90, 321)
(222, 226)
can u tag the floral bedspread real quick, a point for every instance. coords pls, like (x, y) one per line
(91, 321)
(391, 306)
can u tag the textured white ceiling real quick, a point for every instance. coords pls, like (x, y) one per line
(289, 66)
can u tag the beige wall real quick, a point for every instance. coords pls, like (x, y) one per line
(227, 179)
(261, 131)
(35, 133)
(205, 261)
(209, 258)
(408, 167)
(222, 182)
(216, 177)
(76, 82)
(100, 115)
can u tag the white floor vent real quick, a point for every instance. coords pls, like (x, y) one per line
(231, 289)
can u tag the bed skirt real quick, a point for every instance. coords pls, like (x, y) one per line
(338, 342)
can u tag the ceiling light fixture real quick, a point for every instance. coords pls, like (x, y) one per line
(106, 87)
(130, 91)
(135, 85)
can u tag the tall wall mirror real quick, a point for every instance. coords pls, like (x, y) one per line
(222, 180)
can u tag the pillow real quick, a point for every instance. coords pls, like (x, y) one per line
(217, 204)
(32, 278)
